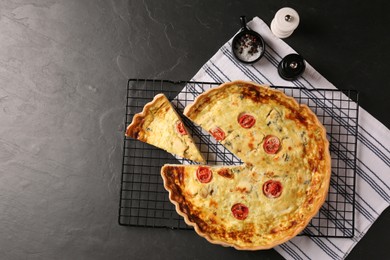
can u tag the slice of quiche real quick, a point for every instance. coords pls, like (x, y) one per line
(159, 124)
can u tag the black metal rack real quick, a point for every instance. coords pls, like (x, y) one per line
(144, 201)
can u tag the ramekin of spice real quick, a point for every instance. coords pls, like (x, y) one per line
(247, 46)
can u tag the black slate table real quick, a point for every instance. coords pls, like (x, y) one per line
(64, 69)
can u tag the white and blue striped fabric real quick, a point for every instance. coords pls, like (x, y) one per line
(373, 155)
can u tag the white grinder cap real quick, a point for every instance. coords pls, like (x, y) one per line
(286, 20)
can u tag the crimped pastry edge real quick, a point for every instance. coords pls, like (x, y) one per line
(139, 116)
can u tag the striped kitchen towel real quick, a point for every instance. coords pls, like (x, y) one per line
(372, 190)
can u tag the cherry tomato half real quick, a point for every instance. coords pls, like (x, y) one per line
(204, 174)
(240, 211)
(271, 144)
(272, 189)
(217, 133)
(246, 120)
(180, 128)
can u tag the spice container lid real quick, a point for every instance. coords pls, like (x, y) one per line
(286, 20)
(247, 46)
(291, 67)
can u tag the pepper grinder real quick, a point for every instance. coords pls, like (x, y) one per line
(291, 67)
(286, 20)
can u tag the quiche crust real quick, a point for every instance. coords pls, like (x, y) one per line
(301, 165)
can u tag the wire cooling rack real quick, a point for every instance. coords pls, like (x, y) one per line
(144, 201)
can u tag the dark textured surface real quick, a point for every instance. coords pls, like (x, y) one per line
(63, 73)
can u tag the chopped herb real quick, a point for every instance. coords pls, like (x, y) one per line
(269, 112)
(236, 170)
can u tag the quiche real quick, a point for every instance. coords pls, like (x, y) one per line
(281, 185)
(160, 125)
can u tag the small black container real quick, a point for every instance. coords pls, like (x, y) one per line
(291, 67)
(247, 46)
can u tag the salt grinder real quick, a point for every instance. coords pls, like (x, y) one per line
(286, 20)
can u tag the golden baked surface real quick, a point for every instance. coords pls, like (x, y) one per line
(284, 179)
(159, 125)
